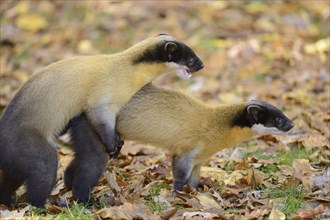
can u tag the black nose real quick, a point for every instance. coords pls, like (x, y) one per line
(288, 126)
(202, 65)
(199, 65)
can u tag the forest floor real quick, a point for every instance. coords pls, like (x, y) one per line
(275, 51)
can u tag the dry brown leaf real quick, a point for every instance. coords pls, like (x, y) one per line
(198, 215)
(242, 165)
(312, 141)
(302, 168)
(237, 155)
(320, 180)
(286, 170)
(233, 178)
(58, 187)
(307, 214)
(168, 213)
(276, 214)
(256, 214)
(207, 201)
(215, 173)
(111, 179)
(14, 214)
(137, 210)
(255, 177)
(113, 213)
(216, 195)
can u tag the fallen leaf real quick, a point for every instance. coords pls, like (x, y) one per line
(215, 173)
(114, 213)
(307, 214)
(22, 7)
(207, 201)
(168, 213)
(58, 187)
(312, 141)
(286, 170)
(31, 22)
(85, 47)
(302, 168)
(22, 76)
(255, 214)
(242, 165)
(233, 178)
(237, 155)
(198, 215)
(276, 214)
(255, 177)
(111, 179)
(18, 213)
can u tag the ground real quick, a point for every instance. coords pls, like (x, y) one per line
(275, 51)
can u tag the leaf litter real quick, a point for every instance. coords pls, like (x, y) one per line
(272, 51)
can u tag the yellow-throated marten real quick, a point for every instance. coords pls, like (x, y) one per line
(190, 130)
(97, 85)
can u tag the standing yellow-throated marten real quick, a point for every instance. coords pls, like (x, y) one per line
(97, 85)
(189, 129)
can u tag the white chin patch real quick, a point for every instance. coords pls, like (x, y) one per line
(183, 74)
(260, 129)
(181, 71)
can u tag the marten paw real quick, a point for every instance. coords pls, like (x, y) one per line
(118, 146)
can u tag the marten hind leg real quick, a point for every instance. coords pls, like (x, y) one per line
(42, 176)
(195, 176)
(182, 167)
(69, 174)
(8, 185)
(90, 160)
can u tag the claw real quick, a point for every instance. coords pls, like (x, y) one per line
(119, 144)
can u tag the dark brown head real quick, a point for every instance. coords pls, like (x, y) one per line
(263, 118)
(174, 53)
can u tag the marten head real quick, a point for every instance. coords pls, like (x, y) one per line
(177, 55)
(263, 118)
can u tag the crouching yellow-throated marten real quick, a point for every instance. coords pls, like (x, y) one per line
(189, 129)
(97, 85)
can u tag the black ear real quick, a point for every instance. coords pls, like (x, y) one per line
(170, 48)
(254, 111)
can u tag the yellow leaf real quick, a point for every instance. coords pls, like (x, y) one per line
(21, 76)
(302, 167)
(233, 177)
(31, 22)
(207, 201)
(219, 5)
(85, 46)
(229, 98)
(214, 173)
(256, 7)
(298, 96)
(276, 215)
(22, 7)
(255, 177)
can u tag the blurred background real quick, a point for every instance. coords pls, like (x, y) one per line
(271, 50)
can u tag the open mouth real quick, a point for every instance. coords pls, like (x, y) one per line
(184, 73)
